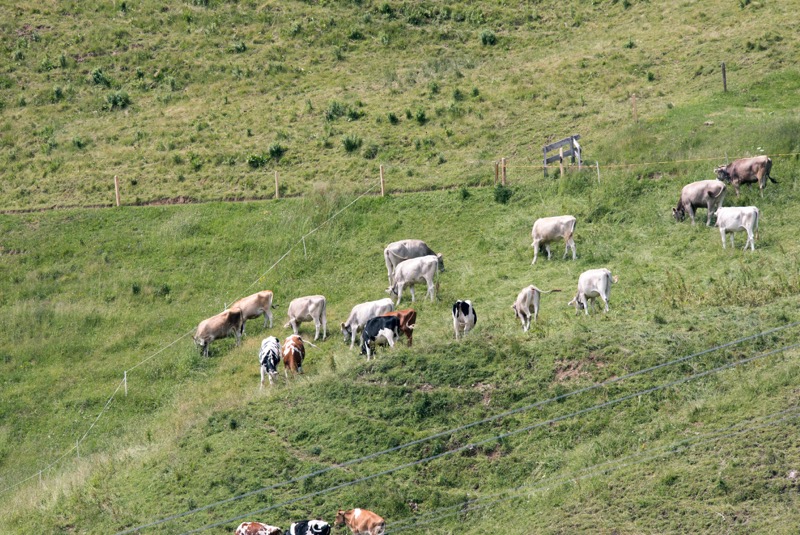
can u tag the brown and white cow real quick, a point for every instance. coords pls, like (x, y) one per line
(739, 218)
(254, 306)
(257, 528)
(408, 320)
(293, 354)
(593, 283)
(410, 272)
(527, 301)
(226, 323)
(704, 193)
(361, 314)
(361, 521)
(310, 308)
(746, 171)
(549, 229)
(402, 250)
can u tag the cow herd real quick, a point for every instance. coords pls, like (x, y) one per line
(360, 522)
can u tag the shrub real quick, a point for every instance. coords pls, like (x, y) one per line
(100, 78)
(58, 93)
(276, 151)
(393, 118)
(239, 47)
(488, 38)
(630, 43)
(502, 194)
(458, 95)
(351, 142)
(256, 160)
(118, 99)
(370, 152)
(433, 87)
(464, 193)
(421, 117)
(355, 35)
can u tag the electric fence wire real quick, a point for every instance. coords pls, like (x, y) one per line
(454, 430)
(481, 442)
(598, 469)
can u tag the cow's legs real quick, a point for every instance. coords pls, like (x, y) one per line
(751, 241)
(605, 302)
(293, 322)
(722, 234)
(691, 212)
(399, 295)
(709, 206)
(570, 245)
(431, 290)
(547, 248)
(316, 329)
(263, 370)
(412, 293)
(324, 319)
(535, 246)
(536, 297)
(455, 325)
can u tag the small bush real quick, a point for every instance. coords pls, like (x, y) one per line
(464, 193)
(502, 194)
(351, 143)
(256, 160)
(355, 35)
(393, 118)
(458, 95)
(630, 43)
(370, 152)
(79, 143)
(118, 99)
(421, 117)
(488, 38)
(409, 115)
(651, 76)
(100, 78)
(276, 151)
(239, 47)
(58, 93)
(433, 87)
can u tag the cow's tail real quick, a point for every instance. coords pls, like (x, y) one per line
(546, 291)
(309, 343)
(721, 191)
(768, 169)
(755, 224)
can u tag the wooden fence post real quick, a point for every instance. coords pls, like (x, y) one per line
(561, 160)
(116, 188)
(724, 79)
(496, 172)
(504, 171)
(277, 190)
(598, 170)
(383, 188)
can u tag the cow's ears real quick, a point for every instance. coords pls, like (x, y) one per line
(674, 211)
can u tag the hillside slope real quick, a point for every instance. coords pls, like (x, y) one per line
(206, 99)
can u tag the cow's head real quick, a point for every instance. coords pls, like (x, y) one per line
(346, 332)
(440, 261)
(392, 290)
(679, 213)
(577, 302)
(723, 174)
(516, 312)
(339, 518)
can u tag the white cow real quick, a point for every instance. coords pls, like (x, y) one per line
(310, 308)
(549, 229)
(409, 272)
(403, 250)
(269, 356)
(592, 284)
(527, 300)
(735, 218)
(361, 314)
(464, 317)
(255, 305)
(704, 193)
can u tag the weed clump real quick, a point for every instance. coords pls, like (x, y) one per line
(488, 38)
(502, 194)
(351, 143)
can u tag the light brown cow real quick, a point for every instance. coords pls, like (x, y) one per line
(549, 229)
(402, 250)
(708, 193)
(309, 308)
(526, 299)
(257, 528)
(255, 305)
(219, 326)
(746, 171)
(408, 320)
(293, 354)
(361, 522)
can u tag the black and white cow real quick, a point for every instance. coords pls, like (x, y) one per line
(379, 331)
(464, 317)
(269, 357)
(309, 527)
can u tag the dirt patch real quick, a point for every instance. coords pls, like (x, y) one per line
(567, 370)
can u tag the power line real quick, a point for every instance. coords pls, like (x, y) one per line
(600, 468)
(487, 440)
(463, 427)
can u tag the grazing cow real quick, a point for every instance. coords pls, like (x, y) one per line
(257, 528)
(308, 309)
(408, 320)
(747, 171)
(361, 522)
(379, 331)
(464, 317)
(293, 354)
(226, 323)
(410, 272)
(526, 299)
(591, 284)
(403, 250)
(705, 193)
(309, 527)
(269, 356)
(736, 218)
(549, 229)
(361, 314)
(255, 305)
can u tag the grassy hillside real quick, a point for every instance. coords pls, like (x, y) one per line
(616, 423)
(206, 99)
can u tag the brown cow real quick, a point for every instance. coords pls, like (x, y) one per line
(293, 354)
(708, 193)
(255, 305)
(746, 171)
(257, 528)
(408, 320)
(219, 326)
(361, 522)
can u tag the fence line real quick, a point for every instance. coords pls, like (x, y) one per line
(125, 373)
(598, 469)
(478, 422)
(484, 441)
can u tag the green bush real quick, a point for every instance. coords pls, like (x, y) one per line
(488, 38)
(351, 142)
(393, 118)
(118, 99)
(420, 116)
(100, 78)
(256, 160)
(371, 151)
(276, 151)
(502, 194)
